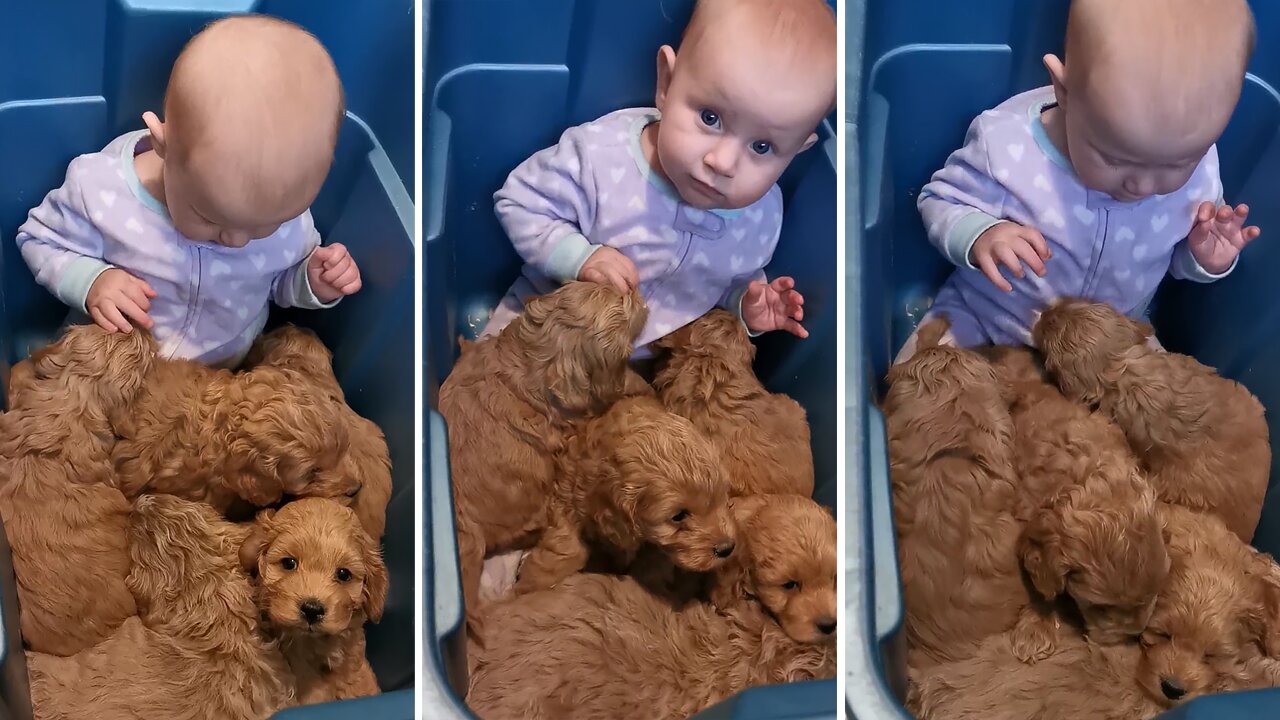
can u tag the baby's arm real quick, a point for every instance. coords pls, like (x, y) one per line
(61, 245)
(1218, 234)
(292, 287)
(547, 207)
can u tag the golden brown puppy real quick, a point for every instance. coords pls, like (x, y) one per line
(196, 651)
(1092, 530)
(635, 475)
(64, 520)
(707, 377)
(1201, 438)
(210, 435)
(954, 493)
(509, 403)
(1219, 610)
(362, 479)
(601, 646)
(320, 577)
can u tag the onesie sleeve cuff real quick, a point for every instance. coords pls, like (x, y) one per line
(1186, 267)
(568, 257)
(733, 304)
(77, 278)
(964, 234)
(301, 295)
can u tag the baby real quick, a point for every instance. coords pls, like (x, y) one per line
(1102, 183)
(680, 200)
(189, 227)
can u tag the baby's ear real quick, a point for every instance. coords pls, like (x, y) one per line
(666, 69)
(809, 141)
(374, 595)
(252, 547)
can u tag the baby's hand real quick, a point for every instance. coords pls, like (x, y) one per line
(1219, 235)
(332, 272)
(1010, 244)
(607, 266)
(115, 295)
(774, 306)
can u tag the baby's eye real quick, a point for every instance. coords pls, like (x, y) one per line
(710, 118)
(288, 563)
(343, 575)
(790, 585)
(761, 147)
(680, 516)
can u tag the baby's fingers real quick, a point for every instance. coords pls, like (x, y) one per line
(113, 316)
(1009, 257)
(102, 321)
(617, 279)
(1205, 212)
(795, 328)
(988, 266)
(1037, 243)
(1028, 254)
(134, 312)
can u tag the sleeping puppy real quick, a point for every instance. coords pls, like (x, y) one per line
(1202, 439)
(64, 519)
(319, 577)
(601, 646)
(635, 475)
(951, 455)
(1092, 530)
(511, 400)
(763, 438)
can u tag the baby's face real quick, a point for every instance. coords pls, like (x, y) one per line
(207, 204)
(1131, 155)
(732, 122)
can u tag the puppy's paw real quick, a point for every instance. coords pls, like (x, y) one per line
(1034, 638)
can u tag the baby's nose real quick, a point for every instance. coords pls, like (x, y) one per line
(723, 159)
(311, 610)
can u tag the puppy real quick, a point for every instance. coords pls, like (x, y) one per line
(196, 650)
(1092, 530)
(954, 493)
(600, 646)
(635, 475)
(319, 578)
(509, 403)
(1202, 439)
(213, 436)
(64, 520)
(362, 479)
(1218, 615)
(707, 377)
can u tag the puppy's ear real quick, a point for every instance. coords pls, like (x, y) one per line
(1040, 549)
(745, 507)
(374, 594)
(1263, 622)
(252, 547)
(931, 332)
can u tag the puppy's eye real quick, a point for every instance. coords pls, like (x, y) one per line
(342, 574)
(353, 493)
(790, 585)
(680, 516)
(288, 563)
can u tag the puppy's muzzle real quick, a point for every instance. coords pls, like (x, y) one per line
(724, 549)
(311, 611)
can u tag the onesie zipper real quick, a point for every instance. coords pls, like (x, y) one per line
(1091, 277)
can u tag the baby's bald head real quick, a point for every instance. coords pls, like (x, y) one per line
(253, 106)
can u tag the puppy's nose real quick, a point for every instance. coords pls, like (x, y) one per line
(725, 549)
(312, 611)
(826, 625)
(1171, 688)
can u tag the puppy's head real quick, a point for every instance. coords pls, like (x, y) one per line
(718, 334)
(295, 348)
(788, 564)
(317, 570)
(1080, 339)
(362, 479)
(281, 432)
(579, 338)
(672, 486)
(1212, 619)
(1104, 544)
(95, 367)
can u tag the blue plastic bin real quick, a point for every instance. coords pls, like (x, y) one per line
(72, 78)
(503, 79)
(918, 72)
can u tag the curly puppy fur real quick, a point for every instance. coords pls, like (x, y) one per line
(210, 435)
(1202, 439)
(509, 403)
(195, 652)
(707, 378)
(635, 475)
(319, 577)
(1092, 530)
(64, 520)
(954, 492)
(362, 479)
(601, 646)
(1218, 613)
